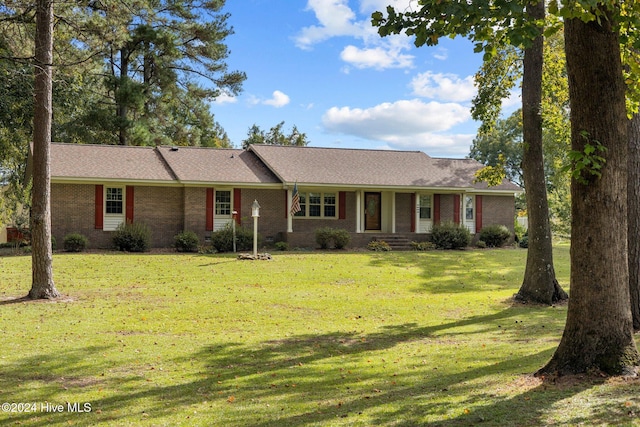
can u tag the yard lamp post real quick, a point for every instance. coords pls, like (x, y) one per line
(255, 213)
(234, 215)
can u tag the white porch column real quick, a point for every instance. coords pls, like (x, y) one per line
(289, 216)
(393, 212)
(416, 209)
(358, 211)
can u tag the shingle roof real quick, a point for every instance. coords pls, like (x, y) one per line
(90, 161)
(383, 168)
(191, 164)
(266, 165)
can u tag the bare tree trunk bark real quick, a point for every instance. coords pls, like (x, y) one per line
(42, 285)
(539, 284)
(599, 332)
(633, 200)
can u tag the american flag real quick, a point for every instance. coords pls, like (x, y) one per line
(295, 200)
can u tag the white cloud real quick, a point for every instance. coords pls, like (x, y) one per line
(377, 57)
(443, 87)
(278, 99)
(513, 102)
(337, 19)
(225, 98)
(411, 122)
(435, 145)
(441, 54)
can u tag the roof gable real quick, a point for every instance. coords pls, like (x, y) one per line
(217, 165)
(374, 168)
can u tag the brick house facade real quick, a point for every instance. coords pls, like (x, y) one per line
(366, 192)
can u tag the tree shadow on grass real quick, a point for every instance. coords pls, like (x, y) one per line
(454, 271)
(316, 368)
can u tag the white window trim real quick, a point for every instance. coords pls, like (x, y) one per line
(111, 221)
(336, 195)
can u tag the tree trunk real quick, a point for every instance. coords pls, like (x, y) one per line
(42, 285)
(598, 333)
(121, 94)
(633, 200)
(539, 283)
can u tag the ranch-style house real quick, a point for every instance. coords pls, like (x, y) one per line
(370, 193)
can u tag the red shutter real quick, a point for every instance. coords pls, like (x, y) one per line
(237, 203)
(286, 203)
(342, 205)
(209, 220)
(456, 208)
(99, 211)
(478, 213)
(129, 204)
(413, 212)
(436, 209)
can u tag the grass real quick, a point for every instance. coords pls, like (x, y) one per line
(308, 339)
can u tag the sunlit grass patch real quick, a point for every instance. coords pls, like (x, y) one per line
(313, 339)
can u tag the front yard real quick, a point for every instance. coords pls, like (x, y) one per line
(307, 339)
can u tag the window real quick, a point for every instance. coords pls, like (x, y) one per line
(468, 207)
(114, 199)
(425, 207)
(223, 202)
(317, 205)
(330, 205)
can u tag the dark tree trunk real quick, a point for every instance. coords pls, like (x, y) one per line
(122, 97)
(633, 235)
(539, 283)
(42, 285)
(599, 332)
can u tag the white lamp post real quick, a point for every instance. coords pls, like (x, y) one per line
(234, 215)
(255, 213)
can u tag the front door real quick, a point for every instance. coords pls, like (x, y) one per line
(372, 211)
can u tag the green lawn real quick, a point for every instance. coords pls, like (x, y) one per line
(308, 339)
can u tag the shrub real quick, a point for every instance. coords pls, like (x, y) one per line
(450, 236)
(341, 238)
(524, 242)
(282, 246)
(326, 236)
(75, 242)
(378, 246)
(222, 240)
(422, 246)
(132, 237)
(187, 241)
(323, 236)
(495, 236)
(481, 244)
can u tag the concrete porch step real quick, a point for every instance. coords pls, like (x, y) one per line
(396, 242)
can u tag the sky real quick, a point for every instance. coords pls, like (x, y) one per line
(321, 66)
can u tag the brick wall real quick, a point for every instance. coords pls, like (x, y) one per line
(161, 208)
(195, 211)
(272, 222)
(73, 211)
(498, 210)
(446, 208)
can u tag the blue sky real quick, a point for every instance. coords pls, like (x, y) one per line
(321, 66)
